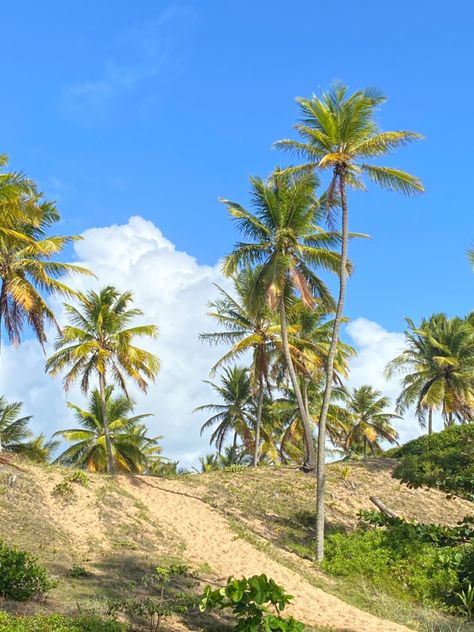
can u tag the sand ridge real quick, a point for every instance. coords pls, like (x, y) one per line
(209, 539)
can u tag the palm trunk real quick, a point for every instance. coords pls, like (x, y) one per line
(256, 455)
(365, 447)
(430, 421)
(306, 407)
(108, 442)
(2, 309)
(309, 460)
(321, 465)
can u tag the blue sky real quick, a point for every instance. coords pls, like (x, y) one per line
(158, 108)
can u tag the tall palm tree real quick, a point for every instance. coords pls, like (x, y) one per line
(131, 448)
(233, 416)
(248, 326)
(288, 244)
(99, 341)
(339, 133)
(368, 422)
(438, 368)
(28, 272)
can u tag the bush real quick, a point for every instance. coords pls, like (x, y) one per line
(444, 460)
(21, 577)
(425, 563)
(256, 603)
(57, 623)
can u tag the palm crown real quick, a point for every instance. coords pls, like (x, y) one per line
(131, 448)
(368, 421)
(438, 368)
(339, 132)
(99, 341)
(286, 239)
(27, 271)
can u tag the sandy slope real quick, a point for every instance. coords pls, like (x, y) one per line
(209, 539)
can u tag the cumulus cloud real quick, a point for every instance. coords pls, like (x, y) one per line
(375, 348)
(173, 291)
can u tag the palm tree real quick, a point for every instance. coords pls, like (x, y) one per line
(367, 421)
(233, 416)
(39, 449)
(99, 342)
(20, 202)
(128, 441)
(288, 244)
(438, 368)
(14, 430)
(286, 410)
(470, 256)
(248, 325)
(339, 133)
(28, 272)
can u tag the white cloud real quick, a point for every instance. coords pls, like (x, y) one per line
(147, 52)
(173, 290)
(375, 348)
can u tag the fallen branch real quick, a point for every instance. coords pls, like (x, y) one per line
(383, 508)
(5, 460)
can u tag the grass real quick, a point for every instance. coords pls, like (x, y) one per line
(257, 506)
(271, 508)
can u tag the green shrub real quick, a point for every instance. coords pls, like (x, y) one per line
(256, 604)
(169, 601)
(77, 476)
(21, 577)
(444, 460)
(57, 623)
(77, 572)
(406, 560)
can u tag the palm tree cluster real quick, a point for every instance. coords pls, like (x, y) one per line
(286, 246)
(98, 342)
(437, 366)
(282, 397)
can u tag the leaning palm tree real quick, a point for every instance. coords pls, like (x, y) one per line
(29, 273)
(368, 421)
(288, 244)
(233, 416)
(98, 341)
(129, 444)
(247, 326)
(339, 133)
(437, 365)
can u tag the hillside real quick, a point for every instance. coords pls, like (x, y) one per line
(219, 524)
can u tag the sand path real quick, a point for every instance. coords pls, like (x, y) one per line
(209, 538)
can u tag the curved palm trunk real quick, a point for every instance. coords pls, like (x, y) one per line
(108, 442)
(256, 455)
(309, 459)
(321, 464)
(430, 421)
